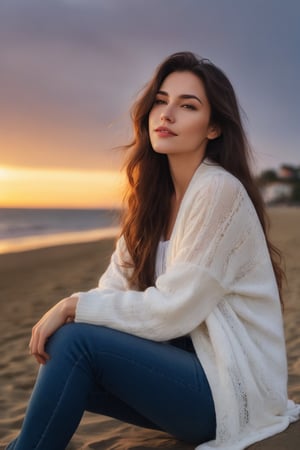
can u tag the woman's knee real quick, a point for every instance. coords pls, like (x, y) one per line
(78, 337)
(66, 338)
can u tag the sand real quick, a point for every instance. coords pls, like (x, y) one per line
(32, 281)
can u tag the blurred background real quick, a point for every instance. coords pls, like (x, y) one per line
(70, 71)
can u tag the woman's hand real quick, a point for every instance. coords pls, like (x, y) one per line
(63, 312)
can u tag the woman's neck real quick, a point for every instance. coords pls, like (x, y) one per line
(182, 170)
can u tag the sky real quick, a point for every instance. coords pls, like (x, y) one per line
(71, 69)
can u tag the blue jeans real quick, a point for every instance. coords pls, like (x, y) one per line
(150, 384)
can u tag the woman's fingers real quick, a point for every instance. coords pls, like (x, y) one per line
(37, 344)
(63, 312)
(40, 359)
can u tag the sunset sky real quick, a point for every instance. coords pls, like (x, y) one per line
(70, 70)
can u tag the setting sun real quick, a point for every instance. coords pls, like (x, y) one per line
(5, 173)
(59, 188)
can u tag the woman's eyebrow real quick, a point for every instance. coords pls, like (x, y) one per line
(186, 96)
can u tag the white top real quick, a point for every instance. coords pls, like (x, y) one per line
(161, 258)
(220, 288)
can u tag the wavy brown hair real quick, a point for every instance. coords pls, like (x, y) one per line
(150, 185)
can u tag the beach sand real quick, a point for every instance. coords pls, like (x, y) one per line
(33, 281)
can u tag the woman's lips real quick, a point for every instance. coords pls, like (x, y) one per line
(164, 132)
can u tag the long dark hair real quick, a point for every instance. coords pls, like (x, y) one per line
(149, 180)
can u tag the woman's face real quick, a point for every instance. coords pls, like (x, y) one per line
(179, 121)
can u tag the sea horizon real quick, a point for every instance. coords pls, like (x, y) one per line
(24, 229)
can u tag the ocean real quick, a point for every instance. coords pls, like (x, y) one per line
(29, 228)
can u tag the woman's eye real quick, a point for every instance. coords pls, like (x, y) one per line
(186, 106)
(159, 101)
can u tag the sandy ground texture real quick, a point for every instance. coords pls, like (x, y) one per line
(31, 282)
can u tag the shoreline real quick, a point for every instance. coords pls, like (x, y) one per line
(28, 243)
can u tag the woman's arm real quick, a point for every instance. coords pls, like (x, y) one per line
(115, 276)
(213, 242)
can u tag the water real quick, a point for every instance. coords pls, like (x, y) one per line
(25, 229)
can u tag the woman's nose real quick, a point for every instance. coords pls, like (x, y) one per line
(167, 115)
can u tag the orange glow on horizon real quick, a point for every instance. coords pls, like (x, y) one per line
(38, 188)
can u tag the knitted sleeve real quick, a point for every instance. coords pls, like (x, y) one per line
(206, 256)
(116, 275)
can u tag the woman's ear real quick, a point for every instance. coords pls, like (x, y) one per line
(214, 131)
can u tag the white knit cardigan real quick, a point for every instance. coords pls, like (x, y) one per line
(218, 287)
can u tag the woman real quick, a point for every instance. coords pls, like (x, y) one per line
(184, 332)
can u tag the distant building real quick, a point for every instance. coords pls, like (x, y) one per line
(277, 192)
